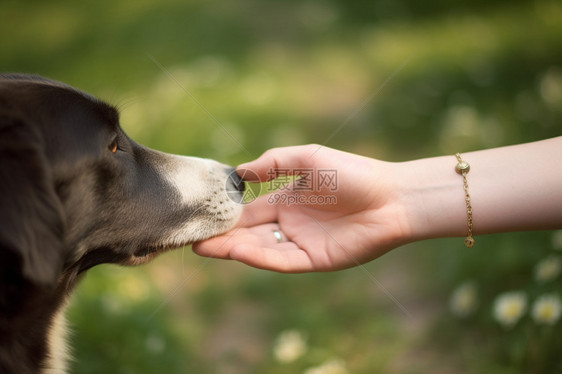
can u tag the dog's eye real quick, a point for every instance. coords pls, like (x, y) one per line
(113, 146)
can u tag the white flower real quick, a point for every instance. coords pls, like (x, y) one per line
(556, 240)
(547, 309)
(509, 307)
(548, 269)
(463, 302)
(334, 366)
(289, 346)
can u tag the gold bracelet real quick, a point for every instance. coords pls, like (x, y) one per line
(463, 168)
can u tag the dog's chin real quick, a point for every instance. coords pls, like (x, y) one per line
(148, 251)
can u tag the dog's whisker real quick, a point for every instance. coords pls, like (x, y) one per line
(126, 102)
(184, 281)
(183, 260)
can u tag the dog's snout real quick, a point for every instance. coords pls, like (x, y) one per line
(235, 180)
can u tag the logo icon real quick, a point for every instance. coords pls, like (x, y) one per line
(240, 191)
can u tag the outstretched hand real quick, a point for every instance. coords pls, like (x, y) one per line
(354, 220)
(376, 206)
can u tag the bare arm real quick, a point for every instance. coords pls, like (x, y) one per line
(512, 188)
(382, 205)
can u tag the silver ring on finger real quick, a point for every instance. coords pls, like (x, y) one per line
(278, 236)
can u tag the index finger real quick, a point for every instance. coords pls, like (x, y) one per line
(266, 166)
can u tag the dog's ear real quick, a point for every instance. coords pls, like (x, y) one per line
(31, 218)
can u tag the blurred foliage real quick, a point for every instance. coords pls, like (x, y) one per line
(229, 79)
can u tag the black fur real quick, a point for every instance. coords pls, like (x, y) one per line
(67, 203)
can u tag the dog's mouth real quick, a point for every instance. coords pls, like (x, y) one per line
(150, 250)
(146, 251)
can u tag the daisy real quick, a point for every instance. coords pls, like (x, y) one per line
(548, 269)
(547, 309)
(509, 307)
(463, 302)
(289, 346)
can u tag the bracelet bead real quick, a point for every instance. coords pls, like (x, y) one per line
(462, 166)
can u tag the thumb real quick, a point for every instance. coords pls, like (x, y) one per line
(278, 161)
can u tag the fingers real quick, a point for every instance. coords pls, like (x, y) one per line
(282, 257)
(265, 167)
(221, 246)
(217, 247)
(258, 220)
(257, 247)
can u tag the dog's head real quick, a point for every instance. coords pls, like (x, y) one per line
(75, 191)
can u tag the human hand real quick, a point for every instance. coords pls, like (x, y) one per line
(380, 205)
(355, 221)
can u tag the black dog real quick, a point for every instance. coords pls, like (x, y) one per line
(76, 192)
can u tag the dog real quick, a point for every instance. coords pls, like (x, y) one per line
(76, 192)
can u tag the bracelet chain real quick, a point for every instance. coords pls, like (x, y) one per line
(463, 168)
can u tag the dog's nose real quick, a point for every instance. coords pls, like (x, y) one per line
(235, 181)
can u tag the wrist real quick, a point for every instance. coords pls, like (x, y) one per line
(432, 195)
(511, 188)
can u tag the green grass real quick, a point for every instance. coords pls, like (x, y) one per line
(409, 79)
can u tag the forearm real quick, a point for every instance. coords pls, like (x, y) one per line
(511, 188)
